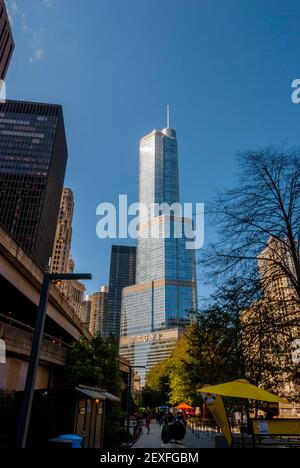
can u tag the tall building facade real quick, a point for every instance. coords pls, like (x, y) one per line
(63, 238)
(122, 274)
(74, 291)
(273, 263)
(156, 310)
(7, 44)
(98, 311)
(271, 324)
(61, 261)
(33, 158)
(87, 310)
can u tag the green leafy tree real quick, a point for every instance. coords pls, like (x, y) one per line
(168, 382)
(179, 382)
(157, 387)
(94, 363)
(209, 352)
(211, 349)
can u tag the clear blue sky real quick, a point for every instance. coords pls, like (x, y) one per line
(225, 66)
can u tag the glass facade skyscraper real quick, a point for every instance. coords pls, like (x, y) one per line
(122, 274)
(33, 158)
(6, 41)
(157, 308)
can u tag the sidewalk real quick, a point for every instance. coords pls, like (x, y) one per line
(204, 441)
(154, 439)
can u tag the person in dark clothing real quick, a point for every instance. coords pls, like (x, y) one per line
(148, 422)
(177, 430)
(176, 434)
(165, 433)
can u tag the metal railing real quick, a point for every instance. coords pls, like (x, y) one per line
(30, 330)
(202, 427)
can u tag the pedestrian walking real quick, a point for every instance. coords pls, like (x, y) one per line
(148, 422)
(140, 428)
(165, 433)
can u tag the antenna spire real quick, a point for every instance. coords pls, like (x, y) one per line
(168, 116)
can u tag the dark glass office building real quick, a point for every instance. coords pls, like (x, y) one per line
(33, 158)
(122, 274)
(7, 44)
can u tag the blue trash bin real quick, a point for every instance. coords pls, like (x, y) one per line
(76, 440)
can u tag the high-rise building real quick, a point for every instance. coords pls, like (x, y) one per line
(33, 158)
(98, 311)
(7, 44)
(87, 310)
(63, 238)
(61, 261)
(122, 274)
(156, 310)
(271, 324)
(273, 263)
(74, 291)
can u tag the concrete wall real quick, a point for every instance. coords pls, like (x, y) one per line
(13, 375)
(18, 348)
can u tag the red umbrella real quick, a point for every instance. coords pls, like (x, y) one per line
(184, 407)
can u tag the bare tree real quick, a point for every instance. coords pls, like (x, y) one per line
(259, 242)
(260, 218)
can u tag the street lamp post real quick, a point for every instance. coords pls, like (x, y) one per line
(129, 402)
(129, 396)
(35, 352)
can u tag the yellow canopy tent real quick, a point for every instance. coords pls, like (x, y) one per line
(242, 389)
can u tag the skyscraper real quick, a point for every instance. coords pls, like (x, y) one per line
(7, 44)
(122, 274)
(33, 158)
(87, 310)
(63, 237)
(61, 261)
(275, 265)
(157, 308)
(74, 291)
(98, 311)
(270, 325)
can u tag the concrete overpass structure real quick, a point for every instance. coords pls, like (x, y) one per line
(20, 284)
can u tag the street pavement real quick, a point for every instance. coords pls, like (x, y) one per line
(153, 440)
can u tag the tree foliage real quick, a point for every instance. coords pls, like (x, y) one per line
(180, 385)
(157, 387)
(94, 363)
(209, 352)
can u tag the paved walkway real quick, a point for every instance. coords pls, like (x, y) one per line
(154, 439)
